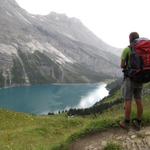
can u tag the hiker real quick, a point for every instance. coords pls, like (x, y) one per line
(131, 88)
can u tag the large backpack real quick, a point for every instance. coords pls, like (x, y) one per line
(139, 69)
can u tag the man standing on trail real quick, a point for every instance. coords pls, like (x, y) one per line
(131, 88)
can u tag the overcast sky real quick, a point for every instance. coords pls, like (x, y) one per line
(110, 20)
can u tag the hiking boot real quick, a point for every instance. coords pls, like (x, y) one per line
(137, 124)
(125, 124)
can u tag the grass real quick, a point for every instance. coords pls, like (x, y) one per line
(19, 131)
(112, 146)
(22, 131)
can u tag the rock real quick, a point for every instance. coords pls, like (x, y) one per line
(140, 135)
(130, 133)
(119, 138)
(128, 139)
(147, 139)
(147, 133)
(133, 136)
(132, 140)
(104, 143)
(90, 147)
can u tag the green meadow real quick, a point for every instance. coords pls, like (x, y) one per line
(20, 131)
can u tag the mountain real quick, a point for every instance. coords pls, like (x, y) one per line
(48, 49)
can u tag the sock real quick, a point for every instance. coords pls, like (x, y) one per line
(127, 121)
(139, 121)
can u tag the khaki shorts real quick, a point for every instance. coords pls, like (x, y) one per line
(130, 89)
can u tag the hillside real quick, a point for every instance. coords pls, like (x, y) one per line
(54, 48)
(115, 139)
(57, 132)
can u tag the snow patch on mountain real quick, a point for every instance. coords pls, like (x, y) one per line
(61, 58)
(8, 49)
(35, 45)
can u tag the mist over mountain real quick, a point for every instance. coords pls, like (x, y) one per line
(50, 49)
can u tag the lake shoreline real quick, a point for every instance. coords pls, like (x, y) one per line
(47, 97)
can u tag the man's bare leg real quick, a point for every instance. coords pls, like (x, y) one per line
(139, 105)
(128, 109)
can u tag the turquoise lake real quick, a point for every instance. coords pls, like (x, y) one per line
(41, 99)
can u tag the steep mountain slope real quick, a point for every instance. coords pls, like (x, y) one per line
(53, 48)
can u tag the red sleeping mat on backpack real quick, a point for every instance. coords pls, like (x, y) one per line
(140, 60)
(142, 48)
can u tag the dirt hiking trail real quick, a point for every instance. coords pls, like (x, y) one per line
(129, 140)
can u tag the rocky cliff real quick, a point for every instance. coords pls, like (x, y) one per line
(48, 49)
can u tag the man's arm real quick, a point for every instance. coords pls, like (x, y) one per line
(123, 64)
(124, 58)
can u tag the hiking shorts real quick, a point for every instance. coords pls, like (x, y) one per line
(131, 88)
